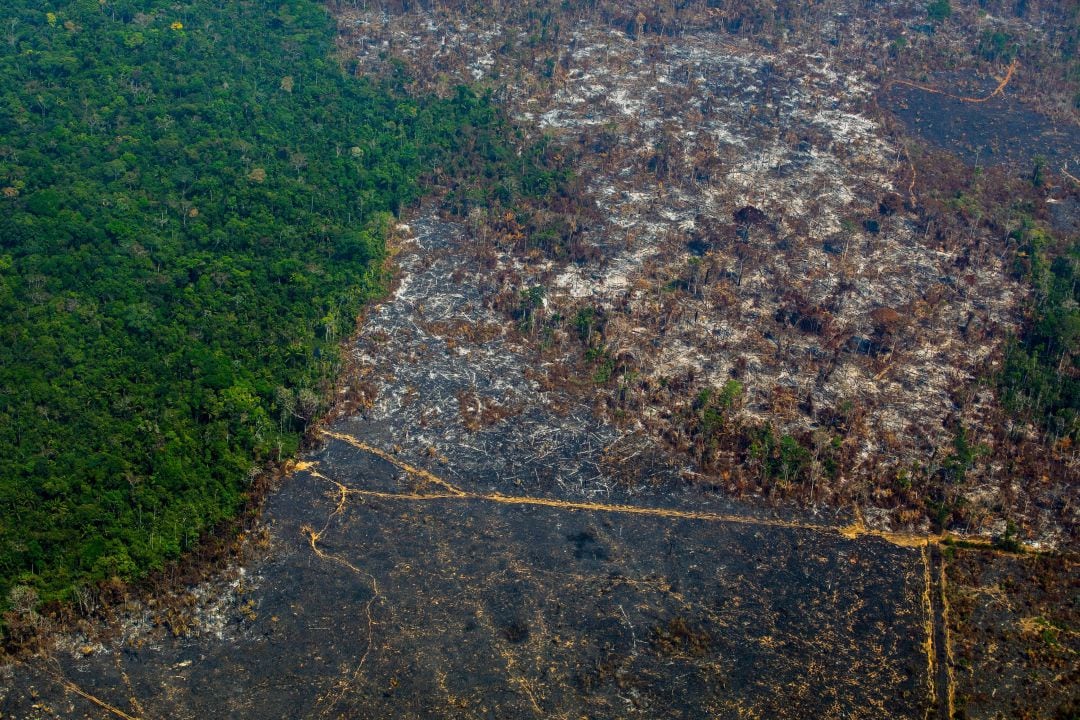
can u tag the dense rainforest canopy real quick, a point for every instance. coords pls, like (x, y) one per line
(193, 198)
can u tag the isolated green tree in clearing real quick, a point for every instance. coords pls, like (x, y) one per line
(939, 10)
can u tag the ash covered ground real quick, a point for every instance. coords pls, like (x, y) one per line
(757, 214)
(425, 564)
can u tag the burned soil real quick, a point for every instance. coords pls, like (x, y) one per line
(419, 566)
(1002, 130)
(1015, 620)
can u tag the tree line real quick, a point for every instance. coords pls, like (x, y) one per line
(193, 204)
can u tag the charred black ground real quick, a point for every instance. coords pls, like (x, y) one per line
(426, 604)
